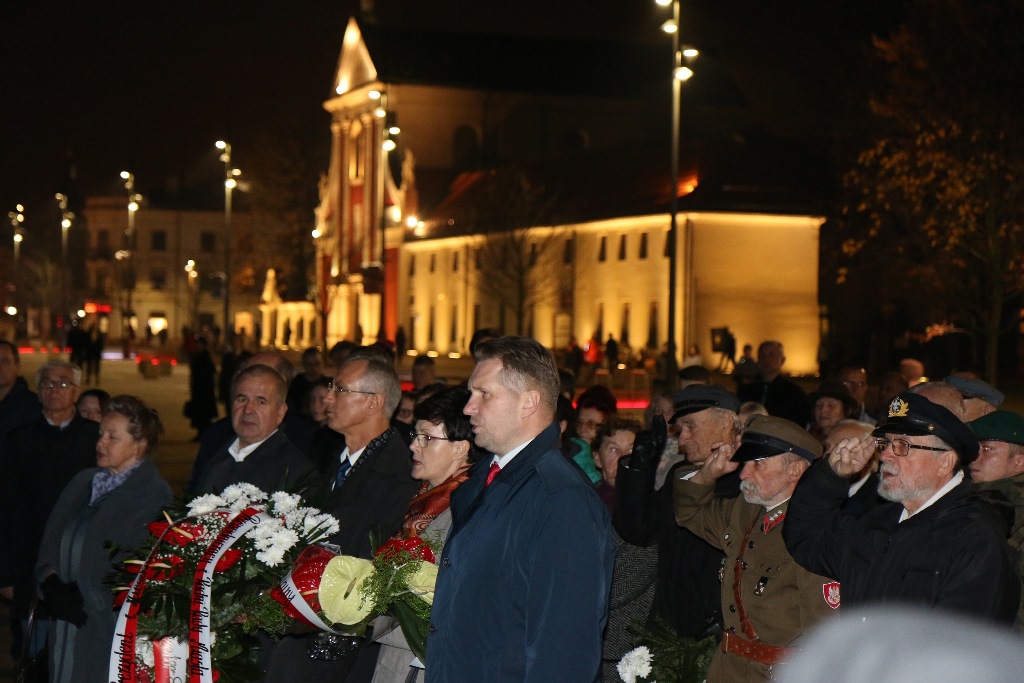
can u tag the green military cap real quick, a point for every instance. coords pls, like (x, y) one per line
(766, 436)
(1001, 425)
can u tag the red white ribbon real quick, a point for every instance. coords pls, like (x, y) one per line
(122, 652)
(200, 665)
(294, 596)
(122, 668)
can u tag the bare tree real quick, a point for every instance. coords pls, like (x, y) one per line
(521, 245)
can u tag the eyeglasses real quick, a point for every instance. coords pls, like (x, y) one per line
(53, 386)
(422, 440)
(341, 390)
(854, 383)
(902, 447)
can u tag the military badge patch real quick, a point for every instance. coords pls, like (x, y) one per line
(898, 407)
(831, 593)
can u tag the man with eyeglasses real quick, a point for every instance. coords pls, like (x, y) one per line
(39, 459)
(368, 477)
(856, 382)
(933, 544)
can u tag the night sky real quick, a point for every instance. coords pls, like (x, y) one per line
(149, 85)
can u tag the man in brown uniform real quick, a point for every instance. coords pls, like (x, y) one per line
(768, 600)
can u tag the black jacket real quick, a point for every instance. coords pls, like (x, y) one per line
(276, 465)
(687, 590)
(373, 497)
(953, 554)
(39, 460)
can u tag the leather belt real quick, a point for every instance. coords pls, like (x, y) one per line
(758, 652)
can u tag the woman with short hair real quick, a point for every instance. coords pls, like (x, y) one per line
(103, 505)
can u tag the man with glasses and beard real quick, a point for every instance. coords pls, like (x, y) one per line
(934, 544)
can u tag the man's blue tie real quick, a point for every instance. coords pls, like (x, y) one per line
(343, 467)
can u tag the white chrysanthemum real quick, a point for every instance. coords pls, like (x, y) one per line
(271, 557)
(283, 502)
(205, 504)
(322, 525)
(635, 664)
(293, 518)
(272, 540)
(240, 496)
(144, 651)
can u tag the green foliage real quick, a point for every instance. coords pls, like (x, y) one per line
(675, 659)
(933, 198)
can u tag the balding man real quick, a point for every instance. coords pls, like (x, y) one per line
(941, 394)
(768, 600)
(522, 592)
(260, 454)
(297, 427)
(980, 398)
(856, 382)
(933, 544)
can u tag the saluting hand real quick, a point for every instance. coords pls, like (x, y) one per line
(718, 464)
(850, 456)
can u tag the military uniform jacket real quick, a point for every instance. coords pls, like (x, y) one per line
(1008, 496)
(781, 598)
(522, 590)
(953, 554)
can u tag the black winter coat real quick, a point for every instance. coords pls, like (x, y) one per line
(951, 555)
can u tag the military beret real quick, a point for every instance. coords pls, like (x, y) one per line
(1002, 425)
(975, 388)
(698, 397)
(766, 436)
(915, 415)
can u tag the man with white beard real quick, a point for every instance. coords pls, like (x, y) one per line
(934, 544)
(767, 599)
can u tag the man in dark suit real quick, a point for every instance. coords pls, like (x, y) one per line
(297, 427)
(369, 485)
(260, 454)
(522, 592)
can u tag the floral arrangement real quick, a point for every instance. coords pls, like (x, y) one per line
(195, 596)
(665, 656)
(341, 594)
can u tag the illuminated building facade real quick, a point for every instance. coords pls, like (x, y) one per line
(411, 216)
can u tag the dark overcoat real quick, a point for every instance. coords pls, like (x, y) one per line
(276, 465)
(522, 592)
(74, 546)
(952, 554)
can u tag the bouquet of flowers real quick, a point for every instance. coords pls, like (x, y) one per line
(340, 594)
(192, 600)
(666, 657)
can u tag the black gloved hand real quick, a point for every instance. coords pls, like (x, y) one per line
(63, 600)
(649, 445)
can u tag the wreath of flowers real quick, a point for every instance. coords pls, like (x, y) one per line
(240, 600)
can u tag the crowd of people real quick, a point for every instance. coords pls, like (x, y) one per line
(747, 514)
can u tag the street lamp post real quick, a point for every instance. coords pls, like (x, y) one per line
(230, 182)
(133, 206)
(65, 223)
(680, 73)
(17, 218)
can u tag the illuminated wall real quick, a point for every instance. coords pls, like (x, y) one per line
(756, 274)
